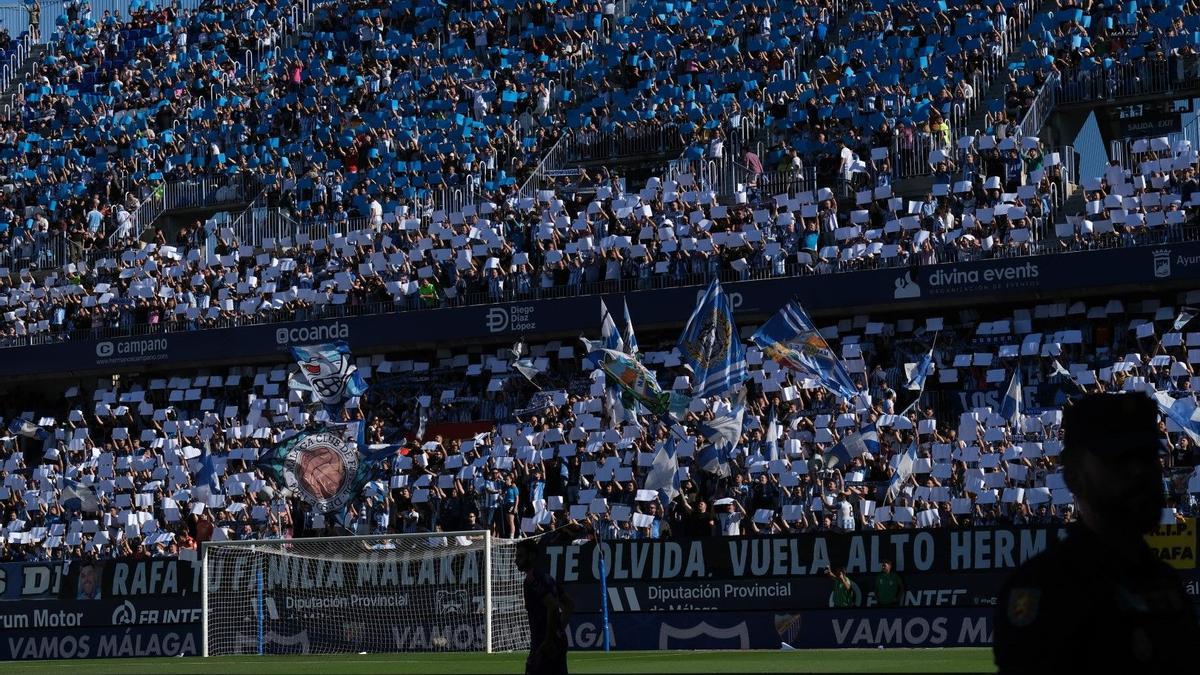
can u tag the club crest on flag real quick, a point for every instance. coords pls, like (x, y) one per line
(710, 345)
(807, 352)
(1023, 606)
(791, 339)
(328, 371)
(715, 335)
(321, 468)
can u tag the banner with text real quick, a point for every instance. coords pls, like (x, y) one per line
(813, 629)
(103, 579)
(742, 595)
(801, 555)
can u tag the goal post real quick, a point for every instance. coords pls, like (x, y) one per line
(444, 591)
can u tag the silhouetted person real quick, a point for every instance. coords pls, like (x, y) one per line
(549, 609)
(1101, 598)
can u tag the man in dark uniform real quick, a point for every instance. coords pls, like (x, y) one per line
(1101, 598)
(549, 608)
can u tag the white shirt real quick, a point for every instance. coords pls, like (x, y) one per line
(844, 511)
(730, 523)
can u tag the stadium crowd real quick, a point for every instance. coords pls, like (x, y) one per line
(543, 459)
(359, 118)
(993, 197)
(410, 100)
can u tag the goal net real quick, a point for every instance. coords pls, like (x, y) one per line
(394, 593)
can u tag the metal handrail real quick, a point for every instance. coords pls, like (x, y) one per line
(1042, 107)
(1133, 78)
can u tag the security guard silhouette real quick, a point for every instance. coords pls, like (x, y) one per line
(1101, 598)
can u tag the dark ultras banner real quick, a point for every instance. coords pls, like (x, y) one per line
(801, 555)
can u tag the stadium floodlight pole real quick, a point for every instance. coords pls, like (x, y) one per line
(487, 591)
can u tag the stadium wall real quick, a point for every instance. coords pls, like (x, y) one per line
(994, 280)
(710, 593)
(759, 592)
(134, 608)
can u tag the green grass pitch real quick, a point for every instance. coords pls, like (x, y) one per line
(801, 661)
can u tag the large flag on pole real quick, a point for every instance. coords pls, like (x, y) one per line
(627, 373)
(77, 496)
(865, 440)
(522, 363)
(904, 468)
(721, 436)
(23, 427)
(1182, 411)
(791, 339)
(631, 345)
(918, 372)
(664, 472)
(1010, 407)
(610, 337)
(1186, 314)
(207, 482)
(327, 467)
(328, 372)
(711, 347)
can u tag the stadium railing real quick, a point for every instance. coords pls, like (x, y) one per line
(1041, 244)
(16, 60)
(1043, 106)
(1129, 79)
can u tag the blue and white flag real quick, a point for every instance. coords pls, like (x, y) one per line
(711, 347)
(1057, 369)
(903, 464)
(1010, 407)
(1182, 411)
(771, 439)
(206, 484)
(721, 436)
(1186, 314)
(422, 420)
(328, 372)
(326, 468)
(918, 372)
(522, 363)
(376, 490)
(76, 496)
(610, 336)
(865, 440)
(631, 345)
(23, 427)
(664, 472)
(791, 339)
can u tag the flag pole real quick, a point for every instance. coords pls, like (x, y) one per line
(603, 590)
(916, 402)
(932, 346)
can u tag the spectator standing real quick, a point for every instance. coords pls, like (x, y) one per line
(889, 587)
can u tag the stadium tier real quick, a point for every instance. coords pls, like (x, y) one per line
(486, 449)
(301, 298)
